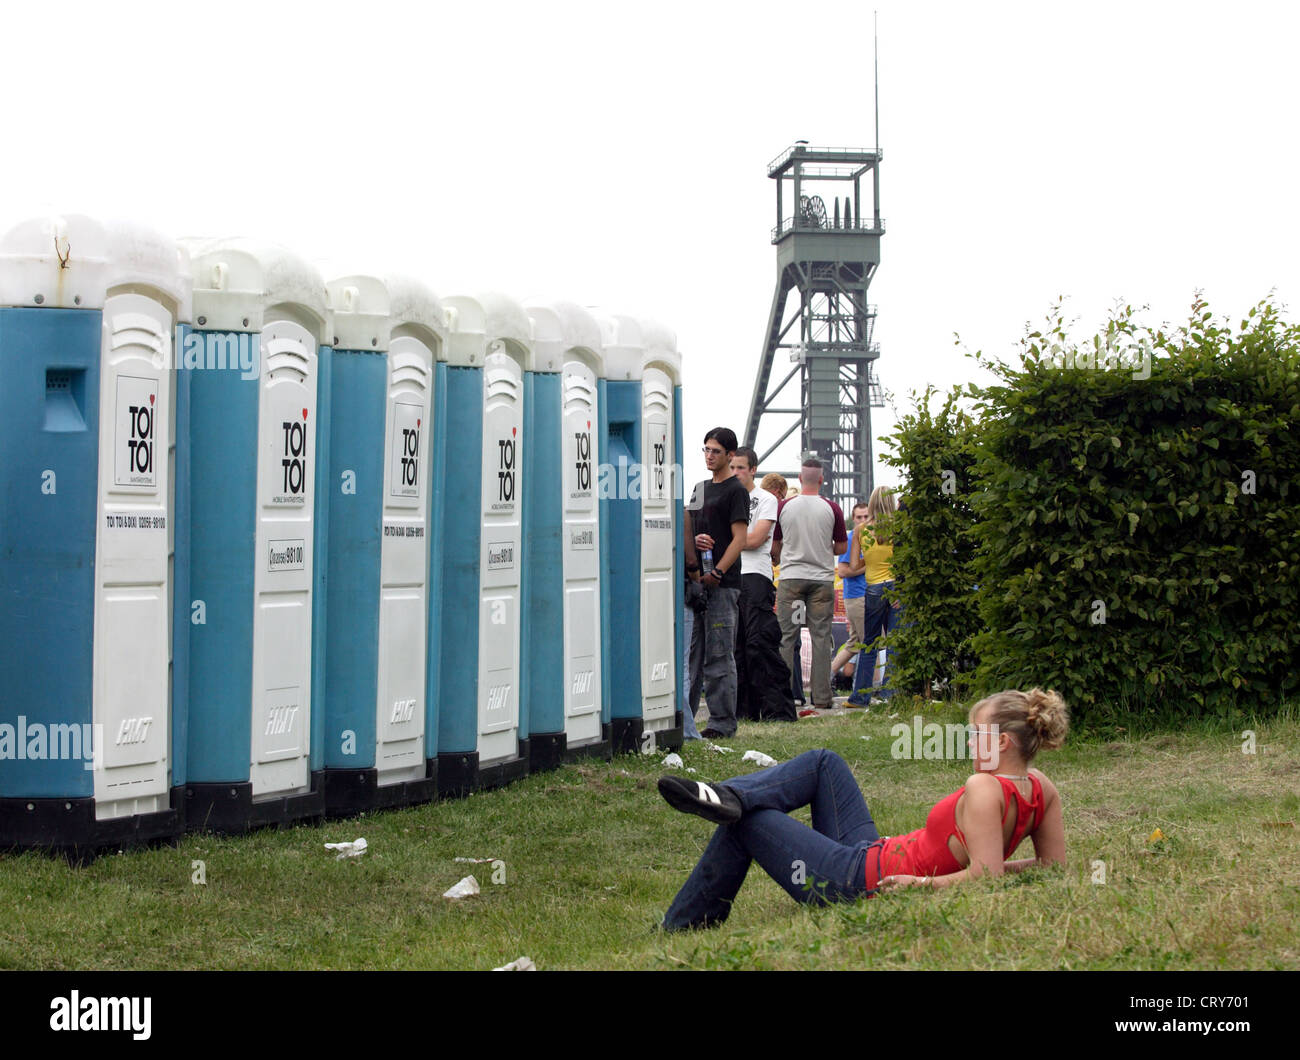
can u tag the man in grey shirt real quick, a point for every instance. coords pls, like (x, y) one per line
(809, 535)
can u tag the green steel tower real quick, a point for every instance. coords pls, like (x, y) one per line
(827, 256)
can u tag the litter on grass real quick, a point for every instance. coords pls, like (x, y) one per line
(759, 757)
(476, 861)
(520, 964)
(673, 761)
(467, 888)
(720, 750)
(347, 850)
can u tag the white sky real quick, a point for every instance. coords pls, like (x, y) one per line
(615, 154)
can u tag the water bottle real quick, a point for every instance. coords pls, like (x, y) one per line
(706, 562)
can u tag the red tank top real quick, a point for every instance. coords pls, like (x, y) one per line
(925, 852)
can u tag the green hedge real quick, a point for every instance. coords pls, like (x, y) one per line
(933, 548)
(1136, 530)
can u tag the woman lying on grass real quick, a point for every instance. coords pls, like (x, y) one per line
(842, 857)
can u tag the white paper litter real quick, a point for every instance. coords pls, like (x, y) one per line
(673, 761)
(348, 850)
(476, 861)
(759, 757)
(720, 750)
(465, 889)
(520, 964)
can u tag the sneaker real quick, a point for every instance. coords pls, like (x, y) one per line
(858, 700)
(808, 713)
(718, 805)
(713, 734)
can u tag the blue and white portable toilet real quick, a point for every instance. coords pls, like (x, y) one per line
(562, 567)
(388, 336)
(257, 451)
(88, 315)
(643, 519)
(479, 425)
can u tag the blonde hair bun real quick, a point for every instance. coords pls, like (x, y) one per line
(1037, 720)
(1047, 712)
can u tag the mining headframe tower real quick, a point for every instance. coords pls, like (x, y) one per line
(827, 256)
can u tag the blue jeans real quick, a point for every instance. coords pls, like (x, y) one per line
(824, 863)
(879, 617)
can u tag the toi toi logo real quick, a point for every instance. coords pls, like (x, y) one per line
(295, 455)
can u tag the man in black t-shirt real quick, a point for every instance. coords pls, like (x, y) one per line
(717, 521)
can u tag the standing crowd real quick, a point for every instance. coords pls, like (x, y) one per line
(760, 568)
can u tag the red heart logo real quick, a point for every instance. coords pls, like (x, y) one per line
(304, 414)
(512, 431)
(150, 399)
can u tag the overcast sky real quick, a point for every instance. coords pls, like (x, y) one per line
(615, 154)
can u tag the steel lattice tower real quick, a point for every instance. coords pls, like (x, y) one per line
(828, 258)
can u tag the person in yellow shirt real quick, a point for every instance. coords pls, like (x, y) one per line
(872, 548)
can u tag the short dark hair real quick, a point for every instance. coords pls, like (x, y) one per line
(860, 504)
(724, 436)
(812, 461)
(751, 457)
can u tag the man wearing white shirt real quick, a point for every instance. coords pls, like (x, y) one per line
(809, 535)
(762, 677)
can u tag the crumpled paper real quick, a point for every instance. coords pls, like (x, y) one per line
(673, 761)
(720, 750)
(521, 964)
(348, 850)
(466, 888)
(476, 861)
(759, 757)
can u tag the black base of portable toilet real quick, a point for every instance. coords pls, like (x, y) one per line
(229, 809)
(602, 748)
(459, 772)
(349, 792)
(68, 827)
(672, 739)
(546, 750)
(501, 773)
(627, 733)
(550, 750)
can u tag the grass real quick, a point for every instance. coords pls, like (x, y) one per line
(592, 856)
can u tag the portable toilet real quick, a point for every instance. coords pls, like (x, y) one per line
(562, 567)
(641, 417)
(88, 315)
(257, 450)
(477, 612)
(388, 336)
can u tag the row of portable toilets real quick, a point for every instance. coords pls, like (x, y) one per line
(273, 548)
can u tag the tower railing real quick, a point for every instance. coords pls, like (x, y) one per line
(866, 225)
(855, 154)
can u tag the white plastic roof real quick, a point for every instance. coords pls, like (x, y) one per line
(475, 321)
(632, 344)
(237, 280)
(558, 328)
(661, 349)
(73, 261)
(368, 309)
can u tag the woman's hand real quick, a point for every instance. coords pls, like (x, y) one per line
(897, 883)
